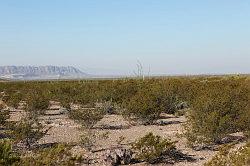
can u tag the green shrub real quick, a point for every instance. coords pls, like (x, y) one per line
(151, 148)
(37, 103)
(149, 102)
(58, 155)
(27, 131)
(4, 114)
(144, 106)
(87, 117)
(219, 104)
(231, 157)
(7, 156)
(221, 108)
(66, 103)
(13, 99)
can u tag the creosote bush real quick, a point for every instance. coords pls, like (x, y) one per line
(216, 105)
(229, 156)
(4, 115)
(221, 108)
(151, 148)
(7, 156)
(89, 138)
(27, 131)
(36, 104)
(151, 99)
(144, 106)
(57, 155)
(13, 99)
(87, 117)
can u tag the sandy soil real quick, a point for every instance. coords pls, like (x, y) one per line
(64, 130)
(170, 131)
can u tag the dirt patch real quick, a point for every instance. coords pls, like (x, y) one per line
(120, 132)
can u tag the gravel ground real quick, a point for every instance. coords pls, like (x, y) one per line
(64, 130)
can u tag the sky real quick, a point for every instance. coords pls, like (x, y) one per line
(109, 37)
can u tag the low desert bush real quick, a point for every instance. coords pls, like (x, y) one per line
(144, 106)
(108, 107)
(7, 156)
(4, 114)
(218, 105)
(151, 148)
(230, 156)
(66, 103)
(87, 117)
(58, 155)
(149, 102)
(221, 108)
(27, 131)
(89, 138)
(36, 104)
(13, 99)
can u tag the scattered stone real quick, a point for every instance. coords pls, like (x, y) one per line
(54, 105)
(112, 122)
(163, 122)
(63, 111)
(120, 156)
(235, 137)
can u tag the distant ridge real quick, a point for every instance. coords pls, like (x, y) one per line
(41, 72)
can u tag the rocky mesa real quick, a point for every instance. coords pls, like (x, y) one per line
(41, 72)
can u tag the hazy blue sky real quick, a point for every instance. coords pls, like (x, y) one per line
(109, 36)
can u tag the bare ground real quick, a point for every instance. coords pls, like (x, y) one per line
(64, 130)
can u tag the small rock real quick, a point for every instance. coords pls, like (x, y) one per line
(118, 156)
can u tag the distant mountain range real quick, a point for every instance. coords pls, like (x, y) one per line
(41, 72)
